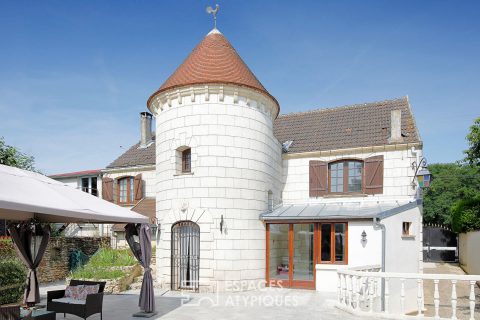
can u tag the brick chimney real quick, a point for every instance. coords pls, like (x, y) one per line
(396, 127)
(145, 129)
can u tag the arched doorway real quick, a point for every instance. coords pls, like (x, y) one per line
(185, 255)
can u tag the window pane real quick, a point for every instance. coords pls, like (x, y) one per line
(326, 243)
(122, 190)
(355, 176)
(279, 260)
(130, 180)
(336, 177)
(94, 186)
(303, 251)
(85, 184)
(340, 244)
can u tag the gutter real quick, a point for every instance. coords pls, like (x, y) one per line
(381, 226)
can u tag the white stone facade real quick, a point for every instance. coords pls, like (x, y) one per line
(236, 161)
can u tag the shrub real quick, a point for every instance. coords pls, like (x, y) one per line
(12, 281)
(466, 215)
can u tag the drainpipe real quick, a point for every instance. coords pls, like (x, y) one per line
(381, 226)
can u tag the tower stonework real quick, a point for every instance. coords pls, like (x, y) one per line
(215, 107)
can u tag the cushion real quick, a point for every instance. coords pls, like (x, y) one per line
(74, 292)
(69, 300)
(86, 290)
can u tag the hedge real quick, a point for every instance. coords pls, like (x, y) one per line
(12, 281)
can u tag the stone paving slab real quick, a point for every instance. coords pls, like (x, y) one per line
(272, 303)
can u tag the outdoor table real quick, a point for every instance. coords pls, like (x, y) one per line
(39, 314)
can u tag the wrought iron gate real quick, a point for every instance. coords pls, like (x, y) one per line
(185, 255)
(440, 244)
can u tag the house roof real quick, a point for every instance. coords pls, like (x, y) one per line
(359, 125)
(145, 207)
(135, 156)
(214, 60)
(75, 174)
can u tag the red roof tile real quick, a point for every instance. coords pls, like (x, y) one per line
(213, 60)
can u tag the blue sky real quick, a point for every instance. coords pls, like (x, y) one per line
(75, 74)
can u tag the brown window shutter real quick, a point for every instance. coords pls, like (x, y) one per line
(138, 187)
(107, 189)
(318, 178)
(374, 175)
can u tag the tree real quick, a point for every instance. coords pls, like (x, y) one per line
(11, 156)
(466, 214)
(451, 183)
(473, 137)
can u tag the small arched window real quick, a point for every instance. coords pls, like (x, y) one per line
(126, 194)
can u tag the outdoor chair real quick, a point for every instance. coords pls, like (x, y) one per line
(83, 308)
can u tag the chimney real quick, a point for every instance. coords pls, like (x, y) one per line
(396, 127)
(145, 129)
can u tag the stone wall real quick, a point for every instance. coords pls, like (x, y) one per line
(55, 264)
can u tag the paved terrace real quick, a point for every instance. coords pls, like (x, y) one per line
(275, 304)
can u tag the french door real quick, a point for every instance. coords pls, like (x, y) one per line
(291, 255)
(293, 250)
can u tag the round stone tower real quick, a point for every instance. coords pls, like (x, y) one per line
(218, 167)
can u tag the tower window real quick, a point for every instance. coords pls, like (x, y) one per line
(187, 161)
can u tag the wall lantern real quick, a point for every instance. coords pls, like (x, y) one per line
(422, 174)
(222, 222)
(364, 236)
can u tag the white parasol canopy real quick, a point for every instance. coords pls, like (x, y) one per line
(25, 195)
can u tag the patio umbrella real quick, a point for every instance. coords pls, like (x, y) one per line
(26, 195)
(142, 249)
(25, 237)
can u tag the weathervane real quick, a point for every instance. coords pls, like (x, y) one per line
(213, 12)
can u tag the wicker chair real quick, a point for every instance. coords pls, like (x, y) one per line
(93, 304)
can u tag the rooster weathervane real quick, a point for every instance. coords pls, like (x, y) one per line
(213, 12)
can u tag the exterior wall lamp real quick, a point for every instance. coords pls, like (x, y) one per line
(422, 174)
(364, 237)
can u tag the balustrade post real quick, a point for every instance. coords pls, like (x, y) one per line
(454, 299)
(350, 292)
(339, 288)
(472, 300)
(370, 293)
(419, 297)
(357, 292)
(436, 299)
(387, 293)
(364, 288)
(344, 290)
(402, 295)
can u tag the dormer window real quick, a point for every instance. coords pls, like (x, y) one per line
(187, 160)
(346, 176)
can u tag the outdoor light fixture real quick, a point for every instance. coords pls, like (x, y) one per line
(222, 222)
(421, 174)
(364, 236)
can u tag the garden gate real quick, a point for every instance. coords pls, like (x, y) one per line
(440, 244)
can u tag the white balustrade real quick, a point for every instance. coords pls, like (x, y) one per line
(359, 292)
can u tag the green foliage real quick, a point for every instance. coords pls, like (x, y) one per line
(451, 183)
(104, 264)
(12, 281)
(466, 215)
(473, 137)
(96, 273)
(11, 156)
(108, 257)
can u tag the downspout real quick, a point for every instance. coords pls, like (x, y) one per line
(381, 226)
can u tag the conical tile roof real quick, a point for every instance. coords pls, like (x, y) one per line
(213, 60)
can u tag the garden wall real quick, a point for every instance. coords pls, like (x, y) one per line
(55, 264)
(469, 244)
